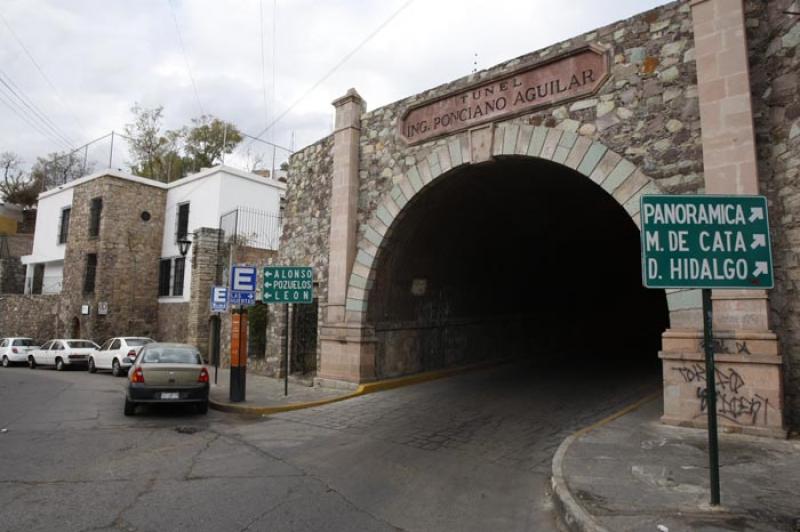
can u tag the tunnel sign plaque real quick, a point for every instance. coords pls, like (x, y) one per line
(705, 241)
(576, 74)
(288, 284)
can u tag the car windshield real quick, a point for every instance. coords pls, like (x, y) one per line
(136, 342)
(171, 355)
(81, 344)
(23, 342)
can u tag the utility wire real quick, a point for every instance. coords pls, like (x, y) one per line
(27, 120)
(186, 57)
(37, 113)
(263, 62)
(40, 70)
(336, 67)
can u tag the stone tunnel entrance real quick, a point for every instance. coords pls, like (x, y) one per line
(519, 257)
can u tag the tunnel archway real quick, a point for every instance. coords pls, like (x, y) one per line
(517, 257)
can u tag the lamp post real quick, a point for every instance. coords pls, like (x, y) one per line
(183, 246)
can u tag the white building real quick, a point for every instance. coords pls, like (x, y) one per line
(195, 201)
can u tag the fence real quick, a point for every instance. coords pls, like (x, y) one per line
(112, 151)
(249, 227)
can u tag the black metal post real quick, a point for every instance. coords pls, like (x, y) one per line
(286, 351)
(711, 396)
(239, 372)
(215, 339)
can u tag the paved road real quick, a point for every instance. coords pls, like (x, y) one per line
(466, 453)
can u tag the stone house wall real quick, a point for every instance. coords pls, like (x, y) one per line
(128, 250)
(12, 276)
(173, 325)
(304, 240)
(773, 38)
(33, 316)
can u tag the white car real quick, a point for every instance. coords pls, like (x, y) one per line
(62, 353)
(13, 350)
(117, 354)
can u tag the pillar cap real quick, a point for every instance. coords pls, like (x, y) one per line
(350, 96)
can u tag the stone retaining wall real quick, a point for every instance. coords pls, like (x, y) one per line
(774, 38)
(33, 316)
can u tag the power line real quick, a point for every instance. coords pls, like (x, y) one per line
(185, 57)
(263, 61)
(39, 68)
(330, 72)
(27, 120)
(38, 114)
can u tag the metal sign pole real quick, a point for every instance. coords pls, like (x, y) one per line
(286, 351)
(711, 397)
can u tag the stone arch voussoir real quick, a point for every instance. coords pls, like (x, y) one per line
(614, 173)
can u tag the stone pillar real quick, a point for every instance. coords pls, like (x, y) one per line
(347, 353)
(749, 379)
(344, 201)
(204, 269)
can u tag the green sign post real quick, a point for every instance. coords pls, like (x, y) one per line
(706, 242)
(287, 284)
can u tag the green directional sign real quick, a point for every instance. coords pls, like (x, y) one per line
(288, 284)
(705, 241)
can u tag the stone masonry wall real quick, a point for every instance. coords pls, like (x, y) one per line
(647, 110)
(12, 276)
(773, 38)
(306, 231)
(128, 249)
(204, 269)
(33, 316)
(173, 325)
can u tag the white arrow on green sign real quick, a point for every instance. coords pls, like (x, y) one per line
(288, 284)
(704, 241)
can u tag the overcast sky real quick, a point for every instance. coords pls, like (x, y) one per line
(97, 57)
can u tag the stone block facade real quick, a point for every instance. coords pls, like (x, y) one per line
(37, 317)
(128, 249)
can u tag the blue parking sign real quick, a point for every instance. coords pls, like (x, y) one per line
(243, 285)
(219, 299)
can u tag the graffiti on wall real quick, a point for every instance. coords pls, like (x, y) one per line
(734, 403)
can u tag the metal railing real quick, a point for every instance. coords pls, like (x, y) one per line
(51, 284)
(249, 227)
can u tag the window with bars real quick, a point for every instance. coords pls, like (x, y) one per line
(182, 224)
(177, 285)
(91, 273)
(95, 212)
(164, 272)
(63, 229)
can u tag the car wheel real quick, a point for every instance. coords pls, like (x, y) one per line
(31, 362)
(5, 361)
(130, 408)
(115, 369)
(202, 408)
(92, 367)
(59, 365)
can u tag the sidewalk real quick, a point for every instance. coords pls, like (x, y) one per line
(265, 395)
(633, 473)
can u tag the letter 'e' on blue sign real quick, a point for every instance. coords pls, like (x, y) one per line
(219, 299)
(243, 285)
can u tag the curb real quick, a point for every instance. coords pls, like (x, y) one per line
(573, 515)
(363, 389)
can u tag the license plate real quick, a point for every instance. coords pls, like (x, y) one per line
(170, 395)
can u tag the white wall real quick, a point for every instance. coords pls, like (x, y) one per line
(48, 218)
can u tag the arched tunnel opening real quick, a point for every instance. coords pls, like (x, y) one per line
(516, 258)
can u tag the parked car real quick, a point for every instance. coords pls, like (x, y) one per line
(117, 354)
(15, 350)
(167, 374)
(62, 353)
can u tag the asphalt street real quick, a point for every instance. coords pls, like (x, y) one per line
(465, 453)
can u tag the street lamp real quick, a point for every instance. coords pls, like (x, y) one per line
(183, 246)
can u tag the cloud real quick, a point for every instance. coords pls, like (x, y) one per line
(104, 56)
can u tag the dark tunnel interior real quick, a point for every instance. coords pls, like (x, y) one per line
(513, 258)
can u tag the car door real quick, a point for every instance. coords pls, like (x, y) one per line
(42, 355)
(56, 350)
(101, 359)
(114, 350)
